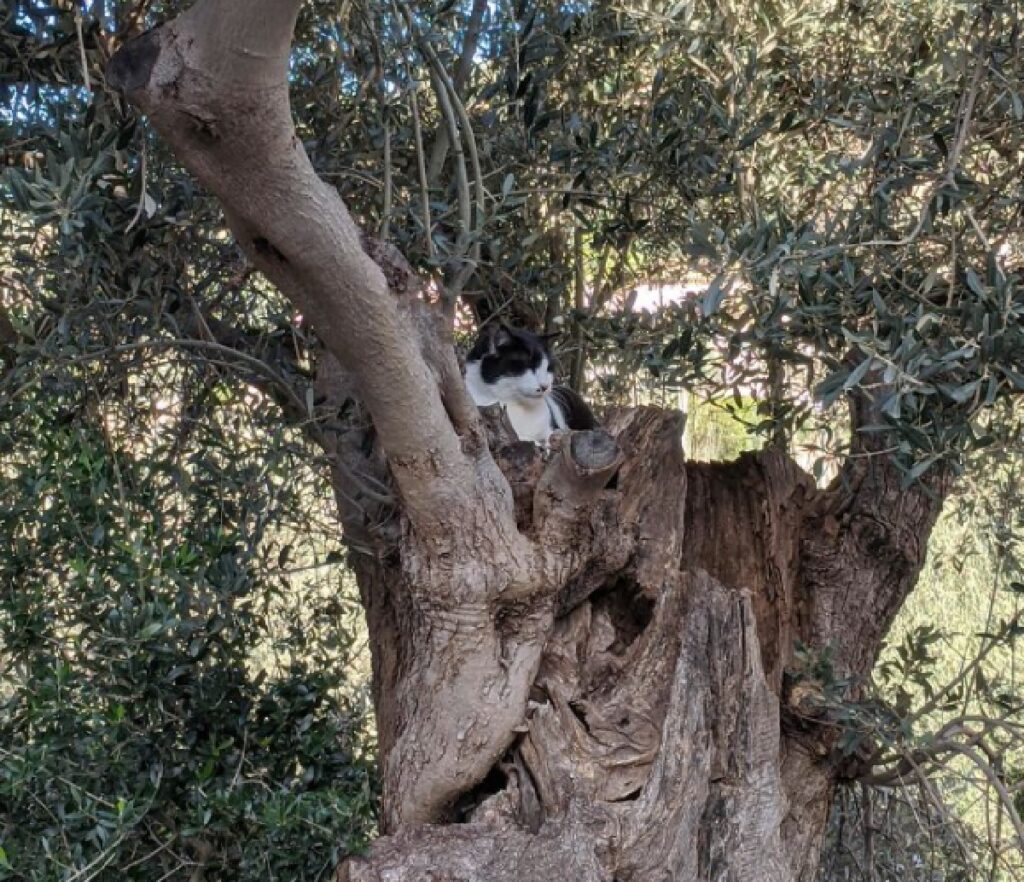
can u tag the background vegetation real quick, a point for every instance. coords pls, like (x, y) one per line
(839, 186)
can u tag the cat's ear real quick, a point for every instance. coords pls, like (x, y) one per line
(502, 335)
(496, 335)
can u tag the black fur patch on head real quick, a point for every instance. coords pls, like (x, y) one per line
(508, 352)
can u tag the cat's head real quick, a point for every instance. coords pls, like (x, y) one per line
(513, 363)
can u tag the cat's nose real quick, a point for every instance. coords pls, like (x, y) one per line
(544, 387)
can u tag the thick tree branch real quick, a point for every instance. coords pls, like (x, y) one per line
(214, 83)
(865, 544)
(231, 125)
(582, 467)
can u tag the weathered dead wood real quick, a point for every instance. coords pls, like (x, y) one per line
(701, 800)
(743, 526)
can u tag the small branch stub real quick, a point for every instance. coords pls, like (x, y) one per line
(583, 466)
(594, 451)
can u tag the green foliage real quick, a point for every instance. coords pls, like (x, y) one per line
(176, 687)
(720, 430)
(144, 724)
(177, 638)
(140, 727)
(843, 183)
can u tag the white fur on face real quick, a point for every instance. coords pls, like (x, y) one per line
(530, 386)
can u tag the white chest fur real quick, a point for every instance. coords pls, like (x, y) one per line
(531, 420)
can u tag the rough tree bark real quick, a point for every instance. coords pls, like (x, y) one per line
(579, 659)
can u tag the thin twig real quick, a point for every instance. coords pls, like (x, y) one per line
(298, 405)
(995, 780)
(466, 125)
(385, 223)
(151, 855)
(442, 140)
(142, 190)
(86, 81)
(421, 168)
(471, 212)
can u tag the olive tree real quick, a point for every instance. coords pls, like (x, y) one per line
(587, 661)
(578, 659)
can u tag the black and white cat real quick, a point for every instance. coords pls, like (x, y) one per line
(513, 367)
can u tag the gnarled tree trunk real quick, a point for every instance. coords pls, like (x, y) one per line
(578, 658)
